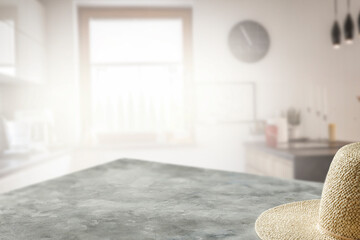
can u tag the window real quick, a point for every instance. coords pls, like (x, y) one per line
(137, 75)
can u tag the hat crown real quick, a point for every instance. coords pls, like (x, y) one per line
(340, 201)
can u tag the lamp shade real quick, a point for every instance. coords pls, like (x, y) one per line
(336, 35)
(349, 29)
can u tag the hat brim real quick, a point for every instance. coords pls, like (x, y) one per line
(291, 221)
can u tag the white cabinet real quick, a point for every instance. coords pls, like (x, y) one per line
(24, 171)
(31, 19)
(7, 39)
(22, 34)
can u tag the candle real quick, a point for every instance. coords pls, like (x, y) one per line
(332, 132)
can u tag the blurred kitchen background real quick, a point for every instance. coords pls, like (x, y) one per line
(265, 87)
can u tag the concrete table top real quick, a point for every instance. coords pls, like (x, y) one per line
(137, 200)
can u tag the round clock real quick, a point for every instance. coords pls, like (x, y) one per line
(249, 41)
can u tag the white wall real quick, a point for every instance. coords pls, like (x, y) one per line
(62, 55)
(300, 57)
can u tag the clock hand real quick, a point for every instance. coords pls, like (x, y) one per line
(243, 30)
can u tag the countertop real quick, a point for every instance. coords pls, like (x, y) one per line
(10, 163)
(301, 150)
(138, 200)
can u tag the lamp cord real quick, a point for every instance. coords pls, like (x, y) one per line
(335, 8)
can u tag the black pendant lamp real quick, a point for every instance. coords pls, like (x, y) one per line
(335, 31)
(349, 26)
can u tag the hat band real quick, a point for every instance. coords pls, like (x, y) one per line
(327, 232)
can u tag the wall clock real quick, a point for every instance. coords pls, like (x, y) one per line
(249, 41)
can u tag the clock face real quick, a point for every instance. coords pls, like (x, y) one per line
(249, 41)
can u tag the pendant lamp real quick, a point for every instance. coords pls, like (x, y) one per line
(349, 26)
(335, 31)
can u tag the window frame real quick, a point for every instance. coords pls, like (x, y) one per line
(85, 14)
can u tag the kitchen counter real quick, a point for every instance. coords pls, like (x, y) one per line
(308, 160)
(10, 163)
(138, 200)
(18, 170)
(301, 150)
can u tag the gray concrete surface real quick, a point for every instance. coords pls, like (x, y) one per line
(138, 200)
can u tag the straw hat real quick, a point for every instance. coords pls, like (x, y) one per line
(336, 216)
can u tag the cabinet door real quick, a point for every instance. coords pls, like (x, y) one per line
(31, 54)
(31, 19)
(44, 171)
(263, 163)
(30, 40)
(7, 39)
(22, 25)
